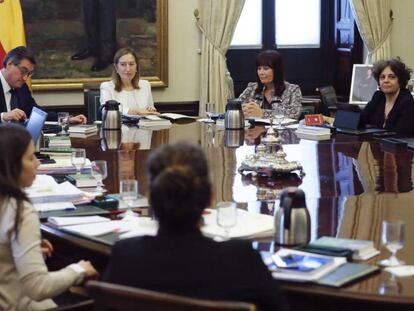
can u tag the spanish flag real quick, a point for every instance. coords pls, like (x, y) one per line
(11, 27)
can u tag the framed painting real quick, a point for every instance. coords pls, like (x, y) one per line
(56, 31)
(363, 84)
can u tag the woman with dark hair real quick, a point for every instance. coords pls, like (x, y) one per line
(392, 107)
(179, 259)
(126, 87)
(25, 283)
(270, 88)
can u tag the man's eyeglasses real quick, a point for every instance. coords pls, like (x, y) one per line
(24, 71)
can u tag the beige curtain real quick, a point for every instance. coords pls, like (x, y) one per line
(217, 20)
(374, 20)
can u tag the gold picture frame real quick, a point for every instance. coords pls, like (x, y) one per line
(54, 68)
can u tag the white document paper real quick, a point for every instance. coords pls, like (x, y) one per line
(45, 190)
(138, 226)
(67, 221)
(248, 225)
(62, 165)
(101, 228)
(55, 206)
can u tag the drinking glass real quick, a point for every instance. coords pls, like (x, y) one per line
(210, 109)
(63, 121)
(226, 216)
(128, 190)
(393, 239)
(100, 172)
(279, 115)
(78, 159)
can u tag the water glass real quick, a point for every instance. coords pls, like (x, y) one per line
(63, 121)
(226, 216)
(210, 109)
(78, 159)
(279, 115)
(100, 172)
(128, 190)
(393, 239)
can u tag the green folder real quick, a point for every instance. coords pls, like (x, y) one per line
(347, 273)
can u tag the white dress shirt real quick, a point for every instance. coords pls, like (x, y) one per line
(7, 94)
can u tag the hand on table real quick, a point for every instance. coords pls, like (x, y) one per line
(47, 248)
(14, 115)
(144, 111)
(79, 119)
(252, 109)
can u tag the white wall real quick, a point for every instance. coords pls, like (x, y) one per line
(183, 61)
(402, 42)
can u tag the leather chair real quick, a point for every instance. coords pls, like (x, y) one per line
(91, 96)
(109, 296)
(328, 99)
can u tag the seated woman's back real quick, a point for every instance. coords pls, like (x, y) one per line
(179, 259)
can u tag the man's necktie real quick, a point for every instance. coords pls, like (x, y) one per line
(13, 101)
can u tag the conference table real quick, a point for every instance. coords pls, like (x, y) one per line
(352, 184)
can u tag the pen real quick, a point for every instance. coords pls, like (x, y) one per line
(69, 208)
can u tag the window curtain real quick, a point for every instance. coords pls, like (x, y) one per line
(374, 21)
(217, 20)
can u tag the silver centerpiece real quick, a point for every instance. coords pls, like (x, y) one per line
(270, 158)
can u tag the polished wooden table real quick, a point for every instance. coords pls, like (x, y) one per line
(352, 184)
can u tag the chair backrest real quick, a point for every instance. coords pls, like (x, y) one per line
(91, 96)
(328, 95)
(123, 298)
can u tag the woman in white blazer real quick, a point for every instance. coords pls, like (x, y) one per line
(25, 282)
(126, 87)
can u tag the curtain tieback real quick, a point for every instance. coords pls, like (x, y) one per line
(384, 38)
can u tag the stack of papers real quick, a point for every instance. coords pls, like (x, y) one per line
(153, 121)
(83, 130)
(67, 221)
(46, 190)
(59, 141)
(313, 132)
(361, 249)
(62, 165)
(97, 225)
(248, 225)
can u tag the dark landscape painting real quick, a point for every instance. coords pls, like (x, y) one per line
(55, 31)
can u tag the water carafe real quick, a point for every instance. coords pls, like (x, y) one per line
(292, 220)
(111, 116)
(234, 118)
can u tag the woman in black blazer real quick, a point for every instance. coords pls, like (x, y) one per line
(392, 107)
(179, 259)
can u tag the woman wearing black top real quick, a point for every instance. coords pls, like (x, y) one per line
(179, 259)
(392, 107)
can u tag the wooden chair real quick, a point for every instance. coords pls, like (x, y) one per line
(123, 298)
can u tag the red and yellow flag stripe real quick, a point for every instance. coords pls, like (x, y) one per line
(11, 27)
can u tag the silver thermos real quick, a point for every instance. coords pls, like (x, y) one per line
(292, 220)
(111, 116)
(234, 118)
(233, 138)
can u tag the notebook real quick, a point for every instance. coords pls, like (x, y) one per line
(348, 122)
(35, 123)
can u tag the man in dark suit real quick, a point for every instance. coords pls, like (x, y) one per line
(179, 259)
(100, 28)
(16, 101)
